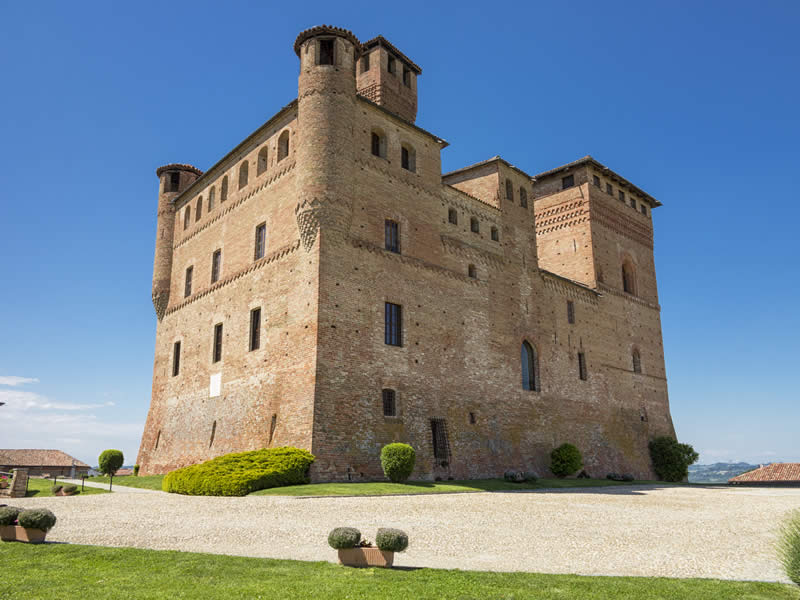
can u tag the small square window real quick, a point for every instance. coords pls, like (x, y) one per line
(567, 182)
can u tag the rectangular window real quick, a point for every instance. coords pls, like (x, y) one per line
(633, 203)
(389, 405)
(376, 144)
(255, 329)
(365, 63)
(644, 209)
(567, 182)
(326, 52)
(582, 366)
(596, 180)
(406, 76)
(393, 324)
(174, 182)
(187, 286)
(187, 217)
(261, 241)
(216, 264)
(404, 159)
(621, 196)
(176, 358)
(392, 236)
(441, 446)
(523, 197)
(609, 189)
(570, 312)
(217, 354)
(391, 66)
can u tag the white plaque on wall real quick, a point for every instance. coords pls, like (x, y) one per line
(215, 386)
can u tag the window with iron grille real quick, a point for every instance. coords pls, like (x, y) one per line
(216, 264)
(389, 404)
(255, 329)
(176, 358)
(393, 324)
(441, 444)
(187, 285)
(474, 226)
(570, 312)
(596, 180)
(582, 366)
(523, 197)
(392, 236)
(495, 234)
(452, 216)
(326, 52)
(567, 182)
(217, 353)
(261, 241)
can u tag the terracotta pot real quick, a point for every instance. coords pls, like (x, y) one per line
(366, 557)
(16, 533)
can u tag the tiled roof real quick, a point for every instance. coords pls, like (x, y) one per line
(776, 472)
(38, 458)
(177, 167)
(323, 30)
(382, 41)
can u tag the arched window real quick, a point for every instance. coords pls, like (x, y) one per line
(187, 217)
(452, 216)
(628, 278)
(472, 271)
(283, 145)
(211, 199)
(243, 174)
(474, 226)
(378, 143)
(198, 209)
(509, 190)
(223, 191)
(530, 368)
(262, 161)
(523, 197)
(495, 234)
(408, 158)
(637, 361)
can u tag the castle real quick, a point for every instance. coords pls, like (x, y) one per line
(325, 286)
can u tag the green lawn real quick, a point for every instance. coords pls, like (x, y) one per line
(150, 482)
(33, 572)
(41, 488)
(381, 488)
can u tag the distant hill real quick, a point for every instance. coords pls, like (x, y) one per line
(718, 472)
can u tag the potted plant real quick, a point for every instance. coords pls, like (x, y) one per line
(355, 552)
(17, 524)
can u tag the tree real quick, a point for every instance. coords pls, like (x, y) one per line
(565, 460)
(671, 459)
(110, 461)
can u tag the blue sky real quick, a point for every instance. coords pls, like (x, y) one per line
(694, 102)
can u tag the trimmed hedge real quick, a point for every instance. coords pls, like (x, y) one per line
(392, 540)
(9, 514)
(241, 473)
(565, 460)
(70, 488)
(37, 518)
(398, 461)
(344, 537)
(671, 459)
(56, 488)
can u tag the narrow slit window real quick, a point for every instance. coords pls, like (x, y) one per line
(389, 403)
(216, 265)
(244, 170)
(176, 359)
(392, 236)
(393, 324)
(255, 329)
(406, 76)
(223, 192)
(530, 367)
(377, 144)
(187, 283)
(217, 353)
(211, 194)
(523, 197)
(637, 361)
(213, 433)
(326, 52)
(187, 217)
(391, 66)
(570, 312)
(582, 366)
(509, 190)
(198, 209)
(261, 241)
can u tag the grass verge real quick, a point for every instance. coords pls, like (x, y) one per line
(148, 482)
(33, 572)
(381, 488)
(42, 488)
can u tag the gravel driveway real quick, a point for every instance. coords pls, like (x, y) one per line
(671, 531)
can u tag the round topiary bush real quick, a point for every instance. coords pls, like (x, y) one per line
(110, 461)
(38, 518)
(565, 460)
(344, 537)
(9, 514)
(391, 540)
(671, 459)
(789, 546)
(398, 461)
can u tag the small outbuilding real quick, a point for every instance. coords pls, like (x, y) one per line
(43, 462)
(776, 474)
